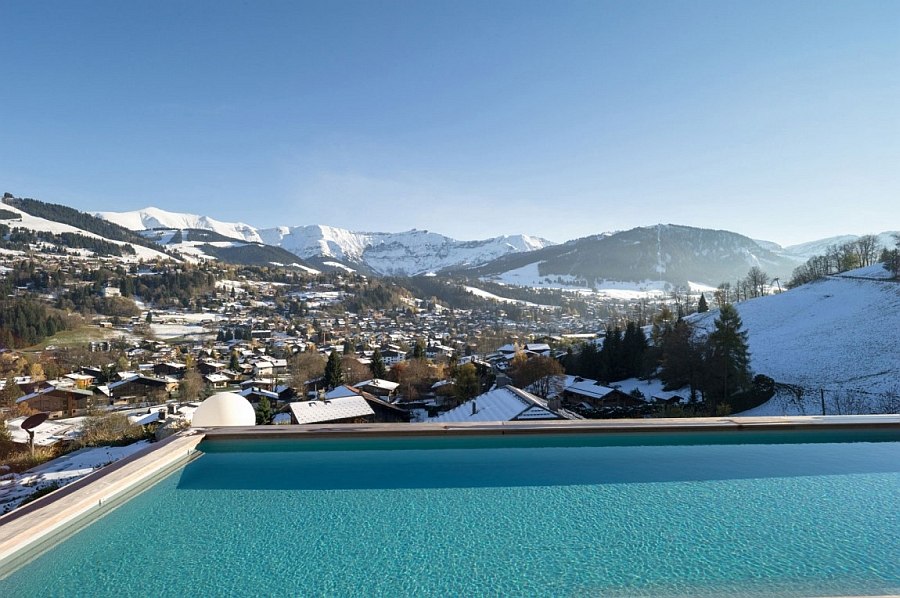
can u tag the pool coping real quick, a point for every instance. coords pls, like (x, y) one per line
(694, 424)
(30, 530)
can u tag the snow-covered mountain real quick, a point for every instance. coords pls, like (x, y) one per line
(666, 254)
(28, 221)
(407, 253)
(151, 217)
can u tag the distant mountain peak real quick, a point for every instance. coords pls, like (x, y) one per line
(415, 251)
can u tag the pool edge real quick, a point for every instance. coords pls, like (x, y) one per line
(33, 528)
(30, 530)
(610, 426)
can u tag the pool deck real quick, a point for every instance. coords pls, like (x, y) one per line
(31, 529)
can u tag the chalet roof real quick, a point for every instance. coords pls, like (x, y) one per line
(310, 412)
(259, 392)
(586, 387)
(141, 379)
(55, 389)
(378, 383)
(537, 347)
(501, 404)
(342, 391)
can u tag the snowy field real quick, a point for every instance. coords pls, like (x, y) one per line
(486, 295)
(170, 331)
(14, 488)
(841, 334)
(528, 276)
(40, 224)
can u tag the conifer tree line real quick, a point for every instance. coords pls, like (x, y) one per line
(24, 322)
(72, 217)
(714, 367)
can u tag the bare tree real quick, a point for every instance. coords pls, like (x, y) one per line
(304, 367)
(866, 250)
(722, 294)
(354, 371)
(756, 281)
(191, 386)
(544, 376)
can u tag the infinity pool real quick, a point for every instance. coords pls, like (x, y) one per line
(575, 515)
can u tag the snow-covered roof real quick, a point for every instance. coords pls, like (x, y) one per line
(341, 391)
(588, 388)
(259, 392)
(310, 412)
(378, 383)
(501, 404)
(537, 347)
(49, 389)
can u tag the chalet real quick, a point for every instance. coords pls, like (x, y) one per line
(281, 394)
(81, 381)
(140, 386)
(259, 383)
(378, 387)
(504, 404)
(350, 409)
(209, 366)
(542, 349)
(590, 394)
(59, 402)
(438, 350)
(216, 380)
(382, 410)
(169, 368)
(392, 356)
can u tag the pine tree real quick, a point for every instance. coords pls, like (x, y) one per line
(702, 306)
(9, 393)
(466, 383)
(377, 365)
(728, 358)
(634, 345)
(419, 350)
(263, 411)
(334, 374)
(682, 358)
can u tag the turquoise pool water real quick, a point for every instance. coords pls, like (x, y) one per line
(621, 515)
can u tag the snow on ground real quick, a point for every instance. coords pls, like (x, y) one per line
(169, 331)
(649, 388)
(187, 317)
(839, 334)
(48, 433)
(486, 295)
(306, 268)
(528, 276)
(339, 265)
(874, 271)
(40, 224)
(14, 488)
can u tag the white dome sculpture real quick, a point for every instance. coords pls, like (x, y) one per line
(224, 409)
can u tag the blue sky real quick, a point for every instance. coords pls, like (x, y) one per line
(778, 120)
